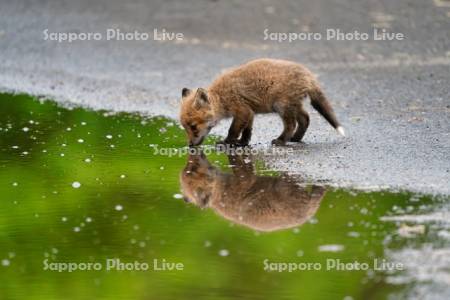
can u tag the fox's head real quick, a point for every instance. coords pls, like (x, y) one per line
(196, 115)
(196, 180)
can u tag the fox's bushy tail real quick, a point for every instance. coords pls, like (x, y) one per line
(323, 107)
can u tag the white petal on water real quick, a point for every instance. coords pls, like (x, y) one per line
(76, 184)
(5, 262)
(80, 141)
(118, 207)
(313, 221)
(25, 129)
(224, 252)
(108, 136)
(353, 234)
(178, 196)
(76, 229)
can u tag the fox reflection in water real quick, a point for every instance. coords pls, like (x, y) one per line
(262, 203)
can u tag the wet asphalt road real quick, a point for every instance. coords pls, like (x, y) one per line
(391, 96)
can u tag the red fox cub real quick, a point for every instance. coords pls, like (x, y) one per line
(257, 87)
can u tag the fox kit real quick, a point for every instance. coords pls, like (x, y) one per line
(257, 87)
(260, 202)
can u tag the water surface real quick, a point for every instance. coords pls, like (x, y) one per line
(82, 186)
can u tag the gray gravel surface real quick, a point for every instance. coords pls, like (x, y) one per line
(391, 96)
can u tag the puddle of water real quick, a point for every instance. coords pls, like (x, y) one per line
(83, 187)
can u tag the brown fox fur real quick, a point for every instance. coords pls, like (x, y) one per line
(260, 202)
(259, 86)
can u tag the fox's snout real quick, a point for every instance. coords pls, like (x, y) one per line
(196, 131)
(196, 141)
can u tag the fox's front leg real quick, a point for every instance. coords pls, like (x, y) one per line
(237, 125)
(246, 133)
(240, 122)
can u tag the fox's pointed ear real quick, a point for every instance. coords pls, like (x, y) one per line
(201, 98)
(185, 92)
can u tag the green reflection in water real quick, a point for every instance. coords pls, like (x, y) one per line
(128, 206)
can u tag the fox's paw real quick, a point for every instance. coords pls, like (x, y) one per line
(241, 143)
(295, 140)
(278, 142)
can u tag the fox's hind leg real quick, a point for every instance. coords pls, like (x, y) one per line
(288, 116)
(303, 123)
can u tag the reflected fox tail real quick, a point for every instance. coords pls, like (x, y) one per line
(323, 107)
